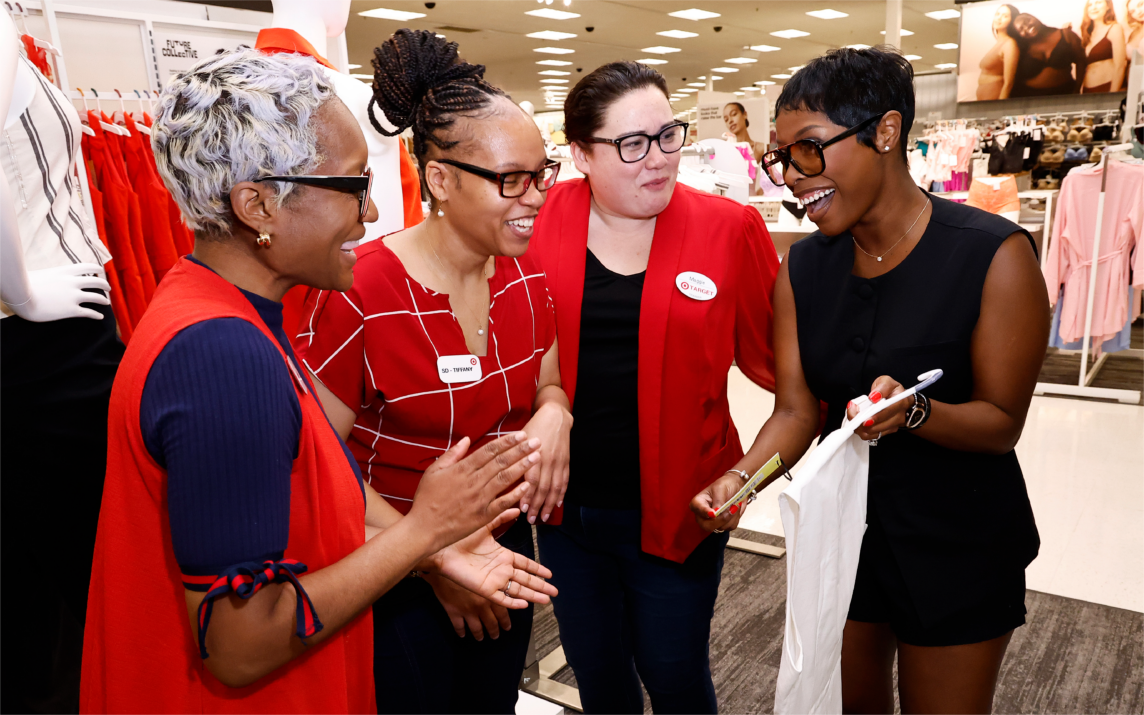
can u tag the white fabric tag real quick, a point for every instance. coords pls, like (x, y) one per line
(696, 285)
(459, 368)
(1026, 153)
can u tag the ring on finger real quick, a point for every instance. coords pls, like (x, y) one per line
(507, 587)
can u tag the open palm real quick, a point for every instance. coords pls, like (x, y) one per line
(481, 565)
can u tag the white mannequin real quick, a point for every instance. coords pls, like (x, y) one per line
(52, 293)
(317, 21)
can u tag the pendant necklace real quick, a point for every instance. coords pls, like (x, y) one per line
(907, 233)
(480, 330)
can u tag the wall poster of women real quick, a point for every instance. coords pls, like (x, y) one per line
(1038, 48)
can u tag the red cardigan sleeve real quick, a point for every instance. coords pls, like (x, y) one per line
(758, 266)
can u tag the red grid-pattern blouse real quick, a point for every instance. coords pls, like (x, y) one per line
(376, 348)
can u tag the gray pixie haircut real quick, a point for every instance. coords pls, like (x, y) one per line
(235, 117)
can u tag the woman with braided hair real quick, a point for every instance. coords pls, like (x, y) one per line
(477, 359)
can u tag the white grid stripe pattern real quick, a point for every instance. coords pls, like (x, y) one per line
(449, 388)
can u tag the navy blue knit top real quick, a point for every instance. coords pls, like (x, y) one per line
(220, 414)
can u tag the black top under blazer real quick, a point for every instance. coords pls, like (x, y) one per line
(957, 522)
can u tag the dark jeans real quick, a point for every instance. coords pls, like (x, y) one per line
(421, 666)
(55, 383)
(627, 617)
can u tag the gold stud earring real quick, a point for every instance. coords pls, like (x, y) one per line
(264, 239)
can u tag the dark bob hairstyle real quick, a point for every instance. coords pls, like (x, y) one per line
(589, 100)
(849, 86)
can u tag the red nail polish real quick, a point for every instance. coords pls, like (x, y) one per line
(849, 404)
(734, 509)
(868, 423)
(710, 514)
(875, 396)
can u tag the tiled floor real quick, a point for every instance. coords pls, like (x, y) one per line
(1084, 466)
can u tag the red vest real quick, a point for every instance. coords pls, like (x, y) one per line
(686, 346)
(139, 651)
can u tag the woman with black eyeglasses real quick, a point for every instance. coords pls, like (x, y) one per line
(657, 287)
(238, 550)
(447, 334)
(897, 282)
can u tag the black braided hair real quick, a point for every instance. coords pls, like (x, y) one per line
(419, 82)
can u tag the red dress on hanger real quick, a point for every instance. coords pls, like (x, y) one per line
(115, 146)
(183, 236)
(152, 203)
(115, 217)
(118, 299)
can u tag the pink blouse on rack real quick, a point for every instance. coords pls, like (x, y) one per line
(1069, 260)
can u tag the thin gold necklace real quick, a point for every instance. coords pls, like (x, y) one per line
(907, 233)
(480, 330)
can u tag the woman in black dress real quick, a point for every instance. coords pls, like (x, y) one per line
(897, 282)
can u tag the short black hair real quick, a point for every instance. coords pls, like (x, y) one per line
(849, 86)
(589, 100)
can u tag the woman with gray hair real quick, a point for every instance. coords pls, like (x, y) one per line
(230, 502)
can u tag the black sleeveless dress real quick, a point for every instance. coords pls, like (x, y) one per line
(958, 524)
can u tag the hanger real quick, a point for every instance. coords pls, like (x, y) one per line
(114, 129)
(141, 128)
(22, 15)
(83, 127)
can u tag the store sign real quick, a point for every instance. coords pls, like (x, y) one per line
(178, 50)
(1050, 40)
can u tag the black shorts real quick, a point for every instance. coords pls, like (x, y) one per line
(881, 596)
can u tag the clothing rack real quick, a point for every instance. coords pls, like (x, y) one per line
(1084, 387)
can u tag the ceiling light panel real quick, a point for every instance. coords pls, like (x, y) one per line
(859, 46)
(764, 82)
(749, 89)
(913, 58)
(554, 73)
(905, 33)
(353, 67)
(740, 94)
(651, 61)
(678, 34)
(714, 76)
(554, 50)
(551, 35)
(946, 66)
(384, 13)
(696, 84)
(694, 14)
(550, 14)
(790, 34)
(724, 69)
(765, 48)
(688, 90)
(660, 50)
(827, 14)
(781, 76)
(741, 60)
(944, 14)
(554, 81)
(554, 63)
(947, 46)
(796, 69)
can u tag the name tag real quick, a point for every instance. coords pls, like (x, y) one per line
(696, 285)
(459, 368)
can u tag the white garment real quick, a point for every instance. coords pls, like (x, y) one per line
(38, 157)
(824, 518)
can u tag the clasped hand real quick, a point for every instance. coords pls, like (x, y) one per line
(889, 420)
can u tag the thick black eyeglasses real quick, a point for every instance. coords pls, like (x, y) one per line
(634, 147)
(513, 184)
(806, 154)
(360, 185)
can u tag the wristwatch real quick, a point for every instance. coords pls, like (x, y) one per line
(919, 413)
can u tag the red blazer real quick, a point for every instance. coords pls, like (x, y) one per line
(686, 346)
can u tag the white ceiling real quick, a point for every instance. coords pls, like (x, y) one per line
(623, 28)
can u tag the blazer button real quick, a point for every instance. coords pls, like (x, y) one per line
(858, 344)
(865, 291)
